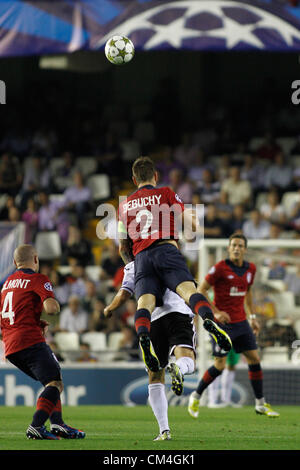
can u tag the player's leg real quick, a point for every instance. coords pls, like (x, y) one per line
(184, 365)
(199, 305)
(208, 377)
(156, 388)
(256, 379)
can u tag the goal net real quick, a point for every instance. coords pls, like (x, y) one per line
(276, 294)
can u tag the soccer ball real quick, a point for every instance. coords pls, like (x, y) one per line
(119, 50)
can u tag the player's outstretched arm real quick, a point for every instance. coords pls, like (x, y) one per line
(119, 300)
(51, 306)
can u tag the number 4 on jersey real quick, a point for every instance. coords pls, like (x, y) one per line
(7, 311)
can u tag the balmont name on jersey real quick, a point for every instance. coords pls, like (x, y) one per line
(16, 283)
(141, 202)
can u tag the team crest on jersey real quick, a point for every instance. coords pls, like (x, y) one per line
(48, 286)
(249, 277)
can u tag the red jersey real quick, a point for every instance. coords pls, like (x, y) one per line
(231, 284)
(22, 297)
(148, 215)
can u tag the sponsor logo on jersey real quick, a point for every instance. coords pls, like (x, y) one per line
(48, 286)
(234, 292)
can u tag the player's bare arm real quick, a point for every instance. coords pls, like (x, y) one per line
(51, 306)
(126, 251)
(250, 310)
(120, 298)
(219, 315)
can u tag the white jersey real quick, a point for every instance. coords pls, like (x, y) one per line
(171, 301)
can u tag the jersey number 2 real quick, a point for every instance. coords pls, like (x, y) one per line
(7, 311)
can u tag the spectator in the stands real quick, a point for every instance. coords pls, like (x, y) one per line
(98, 322)
(127, 316)
(10, 174)
(238, 218)
(77, 247)
(77, 199)
(256, 226)
(223, 207)
(165, 164)
(73, 318)
(111, 261)
(186, 153)
(63, 177)
(272, 210)
(252, 171)
(209, 189)
(14, 215)
(85, 354)
(37, 178)
(180, 186)
(214, 227)
(61, 288)
(279, 174)
(239, 191)
(52, 216)
(223, 168)
(77, 280)
(30, 217)
(129, 343)
(10, 202)
(196, 168)
(269, 148)
(90, 297)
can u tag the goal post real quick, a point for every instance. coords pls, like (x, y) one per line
(276, 294)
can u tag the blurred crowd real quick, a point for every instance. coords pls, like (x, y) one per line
(243, 185)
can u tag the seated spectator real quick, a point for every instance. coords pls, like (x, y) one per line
(198, 165)
(77, 248)
(279, 174)
(77, 199)
(111, 261)
(238, 219)
(272, 210)
(264, 306)
(256, 227)
(36, 178)
(223, 207)
(14, 215)
(10, 174)
(77, 280)
(85, 354)
(55, 350)
(90, 297)
(51, 216)
(98, 322)
(277, 271)
(269, 148)
(214, 227)
(239, 191)
(30, 217)
(209, 189)
(180, 186)
(253, 172)
(127, 316)
(10, 202)
(64, 173)
(186, 153)
(61, 288)
(129, 344)
(165, 164)
(294, 218)
(73, 318)
(223, 168)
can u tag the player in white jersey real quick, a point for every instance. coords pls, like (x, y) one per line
(172, 334)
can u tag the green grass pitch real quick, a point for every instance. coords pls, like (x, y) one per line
(120, 428)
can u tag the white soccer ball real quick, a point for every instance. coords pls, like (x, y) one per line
(119, 50)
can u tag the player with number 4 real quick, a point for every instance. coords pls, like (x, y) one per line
(24, 295)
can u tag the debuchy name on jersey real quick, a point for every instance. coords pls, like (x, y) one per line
(230, 284)
(148, 215)
(171, 301)
(22, 297)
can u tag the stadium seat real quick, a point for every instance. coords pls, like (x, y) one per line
(56, 197)
(96, 340)
(114, 340)
(285, 303)
(63, 270)
(100, 186)
(260, 200)
(275, 355)
(87, 165)
(48, 245)
(67, 341)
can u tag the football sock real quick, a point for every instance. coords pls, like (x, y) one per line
(227, 379)
(186, 365)
(159, 404)
(213, 391)
(142, 321)
(256, 379)
(199, 305)
(45, 405)
(56, 415)
(207, 379)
